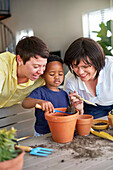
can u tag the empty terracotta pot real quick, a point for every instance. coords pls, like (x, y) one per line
(83, 125)
(62, 125)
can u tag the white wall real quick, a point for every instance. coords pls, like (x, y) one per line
(57, 22)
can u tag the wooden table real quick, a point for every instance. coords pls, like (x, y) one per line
(65, 159)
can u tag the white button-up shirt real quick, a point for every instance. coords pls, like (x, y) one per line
(104, 88)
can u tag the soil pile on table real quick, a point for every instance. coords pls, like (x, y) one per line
(89, 146)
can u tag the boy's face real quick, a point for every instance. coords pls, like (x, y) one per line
(54, 75)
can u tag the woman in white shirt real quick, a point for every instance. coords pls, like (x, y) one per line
(90, 76)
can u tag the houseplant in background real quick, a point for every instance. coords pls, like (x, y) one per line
(10, 157)
(106, 37)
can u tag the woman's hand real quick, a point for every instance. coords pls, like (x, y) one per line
(77, 104)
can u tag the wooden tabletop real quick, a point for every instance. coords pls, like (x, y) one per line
(66, 157)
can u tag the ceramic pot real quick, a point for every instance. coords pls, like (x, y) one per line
(100, 124)
(110, 119)
(83, 125)
(62, 125)
(13, 164)
(110, 115)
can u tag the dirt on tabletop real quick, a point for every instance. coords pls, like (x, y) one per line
(89, 146)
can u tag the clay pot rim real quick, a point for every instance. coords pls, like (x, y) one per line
(22, 152)
(85, 117)
(86, 120)
(51, 116)
(110, 115)
(100, 127)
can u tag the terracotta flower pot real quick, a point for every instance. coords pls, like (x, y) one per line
(13, 164)
(62, 125)
(110, 119)
(110, 115)
(83, 125)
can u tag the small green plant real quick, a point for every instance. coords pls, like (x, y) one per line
(7, 144)
(105, 41)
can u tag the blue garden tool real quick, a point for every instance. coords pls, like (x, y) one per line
(64, 112)
(38, 151)
(39, 107)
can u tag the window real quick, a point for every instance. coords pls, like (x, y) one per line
(22, 33)
(92, 20)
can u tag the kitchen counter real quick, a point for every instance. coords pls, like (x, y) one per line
(83, 153)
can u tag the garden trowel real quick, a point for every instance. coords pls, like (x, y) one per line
(102, 134)
(38, 151)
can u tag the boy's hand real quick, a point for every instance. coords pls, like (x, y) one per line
(46, 106)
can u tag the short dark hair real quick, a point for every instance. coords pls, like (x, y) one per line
(29, 47)
(82, 48)
(53, 57)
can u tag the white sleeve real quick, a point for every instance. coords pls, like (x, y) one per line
(2, 79)
(70, 83)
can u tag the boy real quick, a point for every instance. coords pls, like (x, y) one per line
(48, 96)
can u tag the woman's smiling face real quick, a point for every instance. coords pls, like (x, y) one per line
(84, 71)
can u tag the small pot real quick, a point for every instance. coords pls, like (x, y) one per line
(83, 125)
(100, 124)
(62, 125)
(110, 119)
(13, 164)
(111, 113)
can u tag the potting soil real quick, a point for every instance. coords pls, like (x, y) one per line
(89, 146)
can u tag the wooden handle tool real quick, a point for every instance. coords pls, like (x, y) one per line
(24, 138)
(25, 148)
(38, 106)
(80, 98)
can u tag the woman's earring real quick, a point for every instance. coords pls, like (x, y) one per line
(19, 64)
